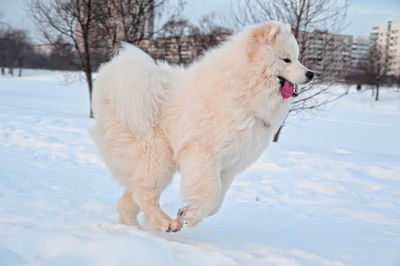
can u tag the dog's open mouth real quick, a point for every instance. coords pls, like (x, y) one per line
(287, 88)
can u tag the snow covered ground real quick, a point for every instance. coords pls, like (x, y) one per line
(327, 194)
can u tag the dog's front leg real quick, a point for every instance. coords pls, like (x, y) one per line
(201, 183)
(226, 181)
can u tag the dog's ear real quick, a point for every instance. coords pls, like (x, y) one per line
(261, 35)
(266, 33)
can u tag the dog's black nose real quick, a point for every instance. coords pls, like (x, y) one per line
(309, 75)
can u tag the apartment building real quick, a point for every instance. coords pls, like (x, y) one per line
(386, 39)
(359, 52)
(329, 55)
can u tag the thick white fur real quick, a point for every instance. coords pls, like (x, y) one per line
(210, 120)
(136, 101)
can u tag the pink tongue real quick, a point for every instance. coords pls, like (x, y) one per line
(287, 90)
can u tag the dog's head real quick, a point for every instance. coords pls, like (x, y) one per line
(274, 51)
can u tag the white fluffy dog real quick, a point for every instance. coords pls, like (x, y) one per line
(210, 120)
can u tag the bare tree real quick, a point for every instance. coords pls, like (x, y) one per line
(3, 28)
(375, 67)
(132, 21)
(210, 24)
(137, 18)
(59, 58)
(188, 41)
(2, 53)
(74, 20)
(312, 21)
(209, 33)
(14, 46)
(95, 28)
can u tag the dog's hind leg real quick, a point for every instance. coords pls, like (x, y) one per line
(128, 209)
(201, 184)
(152, 173)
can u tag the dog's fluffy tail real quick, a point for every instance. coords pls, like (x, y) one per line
(135, 86)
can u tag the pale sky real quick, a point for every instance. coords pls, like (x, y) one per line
(362, 14)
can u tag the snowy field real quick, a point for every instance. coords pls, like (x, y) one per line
(327, 194)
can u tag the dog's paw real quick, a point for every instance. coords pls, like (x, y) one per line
(189, 216)
(174, 226)
(182, 213)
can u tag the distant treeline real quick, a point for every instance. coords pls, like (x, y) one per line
(17, 52)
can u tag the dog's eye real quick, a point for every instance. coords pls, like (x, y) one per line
(287, 60)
